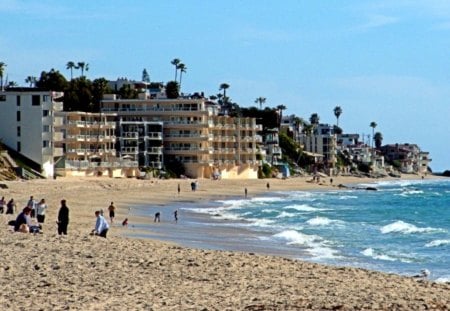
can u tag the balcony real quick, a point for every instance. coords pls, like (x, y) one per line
(155, 150)
(129, 150)
(154, 135)
(188, 150)
(129, 135)
(188, 137)
(81, 151)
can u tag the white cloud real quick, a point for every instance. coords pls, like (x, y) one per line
(378, 20)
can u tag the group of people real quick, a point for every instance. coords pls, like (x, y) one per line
(32, 217)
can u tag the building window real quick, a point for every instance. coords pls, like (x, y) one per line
(35, 100)
(18, 100)
(18, 147)
(2, 98)
(45, 143)
(46, 98)
(18, 131)
(46, 128)
(18, 116)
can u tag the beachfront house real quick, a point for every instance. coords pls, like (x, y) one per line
(408, 156)
(208, 145)
(27, 125)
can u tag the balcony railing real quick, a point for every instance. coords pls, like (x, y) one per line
(75, 164)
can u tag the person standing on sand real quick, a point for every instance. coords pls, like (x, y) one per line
(11, 207)
(157, 217)
(179, 189)
(112, 212)
(2, 205)
(40, 211)
(268, 186)
(32, 204)
(175, 216)
(245, 192)
(101, 225)
(63, 218)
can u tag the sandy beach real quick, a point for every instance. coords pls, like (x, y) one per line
(84, 272)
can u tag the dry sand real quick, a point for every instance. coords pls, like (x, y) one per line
(83, 272)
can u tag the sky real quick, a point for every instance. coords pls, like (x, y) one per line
(379, 60)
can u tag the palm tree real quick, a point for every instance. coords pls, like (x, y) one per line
(182, 68)
(32, 80)
(176, 62)
(83, 66)
(337, 112)
(2, 70)
(224, 87)
(373, 125)
(378, 137)
(260, 100)
(71, 66)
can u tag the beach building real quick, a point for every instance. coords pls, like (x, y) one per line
(27, 125)
(207, 144)
(321, 141)
(88, 141)
(409, 156)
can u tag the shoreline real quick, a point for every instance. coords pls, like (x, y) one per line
(90, 273)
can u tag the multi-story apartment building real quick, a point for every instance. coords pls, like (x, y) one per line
(321, 141)
(194, 134)
(27, 124)
(88, 141)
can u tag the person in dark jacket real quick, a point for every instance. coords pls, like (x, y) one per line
(63, 218)
(21, 221)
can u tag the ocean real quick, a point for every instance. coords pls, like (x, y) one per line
(402, 228)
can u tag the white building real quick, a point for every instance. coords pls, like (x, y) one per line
(27, 121)
(321, 141)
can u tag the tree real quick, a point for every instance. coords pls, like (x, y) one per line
(71, 66)
(175, 62)
(373, 125)
(145, 76)
(260, 100)
(2, 71)
(83, 66)
(378, 137)
(223, 87)
(99, 88)
(314, 119)
(172, 90)
(31, 80)
(52, 81)
(78, 96)
(337, 112)
(12, 84)
(182, 68)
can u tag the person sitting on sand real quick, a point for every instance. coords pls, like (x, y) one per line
(125, 222)
(23, 221)
(101, 225)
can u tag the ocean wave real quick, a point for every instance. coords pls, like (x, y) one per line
(315, 245)
(370, 252)
(391, 256)
(322, 221)
(406, 228)
(284, 214)
(347, 197)
(258, 222)
(443, 279)
(436, 243)
(304, 208)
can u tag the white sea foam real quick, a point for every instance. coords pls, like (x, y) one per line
(370, 252)
(322, 221)
(405, 228)
(269, 210)
(256, 222)
(347, 197)
(303, 208)
(315, 245)
(436, 243)
(284, 214)
(443, 279)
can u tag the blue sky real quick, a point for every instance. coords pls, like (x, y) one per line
(383, 61)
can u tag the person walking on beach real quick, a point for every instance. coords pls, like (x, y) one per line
(157, 217)
(179, 189)
(112, 211)
(175, 215)
(101, 225)
(245, 192)
(268, 186)
(63, 218)
(40, 211)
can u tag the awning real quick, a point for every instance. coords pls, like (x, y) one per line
(312, 154)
